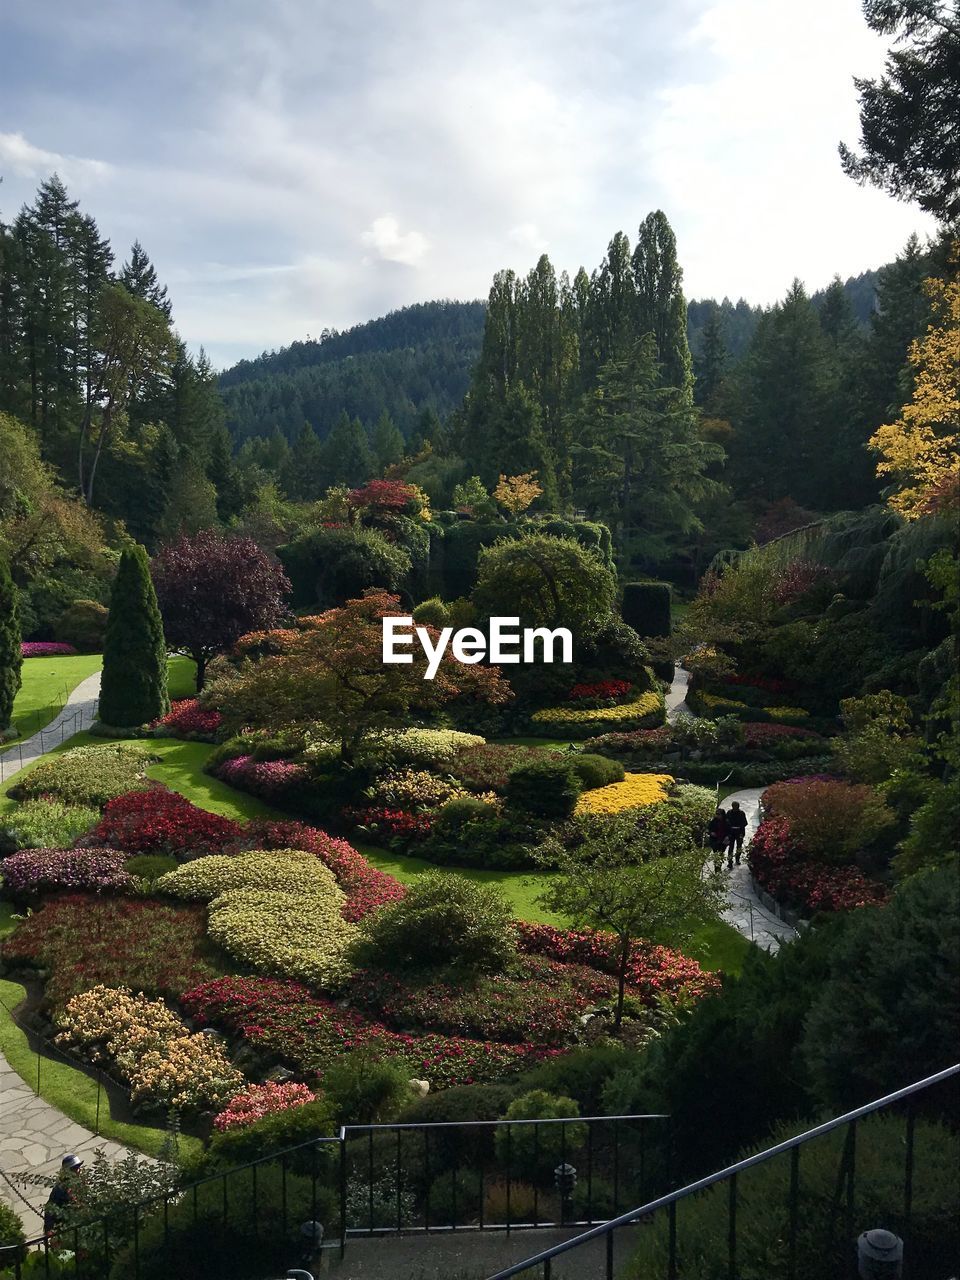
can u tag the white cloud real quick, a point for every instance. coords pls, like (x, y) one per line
(29, 161)
(392, 245)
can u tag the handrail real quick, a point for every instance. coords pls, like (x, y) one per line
(624, 1219)
(468, 1124)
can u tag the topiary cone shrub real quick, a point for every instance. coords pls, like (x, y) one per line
(11, 656)
(646, 607)
(133, 688)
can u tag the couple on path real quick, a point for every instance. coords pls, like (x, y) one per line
(726, 832)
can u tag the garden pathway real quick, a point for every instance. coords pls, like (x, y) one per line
(676, 696)
(79, 712)
(34, 1136)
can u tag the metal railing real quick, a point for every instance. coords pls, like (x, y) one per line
(606, 1232)
(55, 734)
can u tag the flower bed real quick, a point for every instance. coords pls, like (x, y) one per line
(644, 712)
(422, 748)
(287, 1023)
(161, 821)
(81, 940)
(714, 706)
(781, 869)
(188, 719)
(602, 692)
(271, 780)
(765, 736)
(46, 823)
(32, 872)
(487, 767)
(283, 870)
(636, 790)
(147, 1045)
(259, 1100)
(366, 887)
(389, 825)
(46, 649)
(88, 775)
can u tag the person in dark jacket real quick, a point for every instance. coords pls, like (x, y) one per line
(718, 835)
(62, 1193)
(736, 830)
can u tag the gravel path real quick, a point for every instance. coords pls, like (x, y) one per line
(79, 712)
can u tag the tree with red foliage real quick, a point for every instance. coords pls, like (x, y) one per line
(379, 496)
(213, 589)
(334, 672)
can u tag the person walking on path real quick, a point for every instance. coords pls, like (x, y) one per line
(718, 834)
(736, 831)
(62, 1194)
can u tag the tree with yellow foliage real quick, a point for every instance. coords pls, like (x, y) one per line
(516, 493)
(921, 450)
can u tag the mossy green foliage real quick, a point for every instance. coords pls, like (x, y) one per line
(548, 788)
(646, 607)
(11, 659)
(133, 688)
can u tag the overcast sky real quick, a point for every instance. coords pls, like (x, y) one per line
(298, 164)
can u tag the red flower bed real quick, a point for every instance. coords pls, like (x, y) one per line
(288, 1023)
(653, 970)
(640, 741)
(148, 946)
(259, 1100)
(161, 821)
(187, 719)
(780, 867)
(366, 887)
(391, 824)
(603, 690)
(762, 735)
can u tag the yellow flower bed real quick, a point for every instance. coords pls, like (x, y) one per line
(282, 870)
(645, 705)
(787, 713)
(636, 790)
(711, 701)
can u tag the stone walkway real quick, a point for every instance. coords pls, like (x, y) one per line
(34, 1136)
(79, 712)
(676, 696)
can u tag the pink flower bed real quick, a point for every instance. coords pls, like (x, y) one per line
(781, 868)
(268, 779)
(33, 871)
(45, 649)
(391, 824)
(187, 719)
(366, 887)
(259, 1100)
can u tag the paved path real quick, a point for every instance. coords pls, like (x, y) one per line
(676, 696)
(79, 712)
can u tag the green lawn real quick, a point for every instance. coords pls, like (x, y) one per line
(182, 680)
(46, 684)
(181, 769)
(71, 1091)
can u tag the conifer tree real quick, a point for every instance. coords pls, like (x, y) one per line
(133, 687)
(388, 443)
(346, 457)
(712, 362)
(661, 306)
(11, 658)
(300, 467)
(139, 276)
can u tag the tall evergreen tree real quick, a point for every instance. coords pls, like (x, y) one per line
(661, 308)
(301, 469)
(712, 362)
(345, 455)
(222, 474)
(11, 658)
(133, 687)
(139, 276)
(387, 442)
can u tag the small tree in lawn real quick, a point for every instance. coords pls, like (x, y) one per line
(11, 657)
(213, 589)
(334, 672)
(638, 876)
(133, 687)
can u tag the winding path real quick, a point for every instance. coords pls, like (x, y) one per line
(744, 911)
(79, 712)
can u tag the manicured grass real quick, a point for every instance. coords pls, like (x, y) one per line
(46, 684)
(182, 678)
(7, 922)
(551, 744)
(71, 1091)
(181, 769)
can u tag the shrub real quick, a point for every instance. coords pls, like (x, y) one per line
(780, 866)
(271, 780)
(188, 719)
(421, 748)
(487, 767)
(581, 1074)
(363, 1090)
(35, 871)
(83, 624)
(413, 789)
(546, 787)
(282, 870)
(601, 691)
(259, 1100)
(636, 790)
(91, 775)
(277, 1129)
(46, 649)
(133, 687)
(80, 941)
(161, 821)
(596, 771)
(150, 866)
(644, 712)
(329, 566)
(150, 1047)
(443, 920)
(829, 820)
(11, 1234)
(533, 1151)
(454, 1197)
(46, 823)
(646, 607)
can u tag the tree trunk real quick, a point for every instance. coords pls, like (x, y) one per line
(622, 980)
(201, 662)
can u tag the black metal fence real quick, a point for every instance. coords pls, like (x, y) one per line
(54, 735)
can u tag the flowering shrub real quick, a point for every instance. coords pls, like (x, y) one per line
(422, 747)
(259, 1100)
(150, 1047)
(383, 495)
(763, 735)
(635, 790)
(487, 767)
(269, 779)
(641, 742)
(795, 580)
(391, 824)
(45, 649)
(79, 940)
(287, 1022)
(779, 866)
(413, 789)
(830, 820)
(161, 821)
(87, 775)
(642, 713)
(294, 934)
(188, 719)
(46, 823)
(35, 871)
(283, 870)
(366, 887)
(654, 971)
(602, 691)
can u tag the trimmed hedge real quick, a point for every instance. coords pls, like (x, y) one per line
(646, 712)
(548, 788)
(596, 771)
(646, 607)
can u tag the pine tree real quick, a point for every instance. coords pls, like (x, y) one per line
(222, 474)
(139, 277)
(388, 443)
(11, 658)
(133, 687)
(302, 467)
(345, 455)
(661, 308)
(712, 362)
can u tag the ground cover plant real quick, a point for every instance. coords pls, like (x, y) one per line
(46, 823)
(33, 872)
(89, 775)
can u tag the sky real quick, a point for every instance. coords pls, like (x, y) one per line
(304, 164)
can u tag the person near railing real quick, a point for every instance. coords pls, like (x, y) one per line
(62, 1194)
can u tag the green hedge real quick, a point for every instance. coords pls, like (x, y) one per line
(646, 607)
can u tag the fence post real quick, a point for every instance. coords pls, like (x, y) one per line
(343, 1192)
